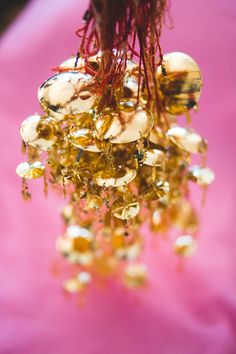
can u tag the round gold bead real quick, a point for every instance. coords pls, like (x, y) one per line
(135, 275)
(180, 82)
(38, 132)
(67, 93)
(125, 210)
(124, 127)
(187, 139)
(29, 170)
(203, 176)
(185, 246)
(116, 177)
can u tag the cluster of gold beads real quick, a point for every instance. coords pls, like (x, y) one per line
(118, 167)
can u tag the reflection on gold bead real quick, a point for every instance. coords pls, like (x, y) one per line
(81, 238)
(163, 188)
(130, 88)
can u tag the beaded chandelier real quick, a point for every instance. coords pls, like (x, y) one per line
(110, 140)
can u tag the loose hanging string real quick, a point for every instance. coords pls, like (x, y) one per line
(114, 27)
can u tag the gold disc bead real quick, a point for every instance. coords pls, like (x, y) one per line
(126, 126)
(67, 213)
(180, 82)
(127, 252)
(93, 202)
(78, 283)
(76, 245)
(38, 132)
(203, 176)
(157, 136)
(125, 211)
(187, 139)
(130, 87)
(92, 63)
(154, 157)
(67, 93)
(185, 246)
(29, 170)
(116, 177)
(184, 217)
(135, 275)
(85, 139)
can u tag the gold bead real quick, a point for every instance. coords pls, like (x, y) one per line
(135, 275)
(157, 136)
(124, 251)
(185, 246)
(124, 127)
(68, 93)
(78, 283)
(92, 63)
(77, 245)
(38, 132)
(85, 140)
(184, 217)
(201, 175)
(117, 177)
(93, 202)
(29, 170)
(125, 210)
(180, 82)
(154, 157)
(187, 139)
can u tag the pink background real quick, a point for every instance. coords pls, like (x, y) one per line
(188, 312)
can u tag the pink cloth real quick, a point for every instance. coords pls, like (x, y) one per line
(188, 312)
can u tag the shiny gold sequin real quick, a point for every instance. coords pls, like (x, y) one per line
(185, 246)
(85, 140)
(29, 170)
(38, 132)
(125, 211)
(180, 82)
(67, 93)
(187, 139)
(135, 275)
(124, 127)
(77, 245)
(115, 177)
(202, 175)
(154, 157)
(78, 283)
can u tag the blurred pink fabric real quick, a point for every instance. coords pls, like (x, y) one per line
(187, 312)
